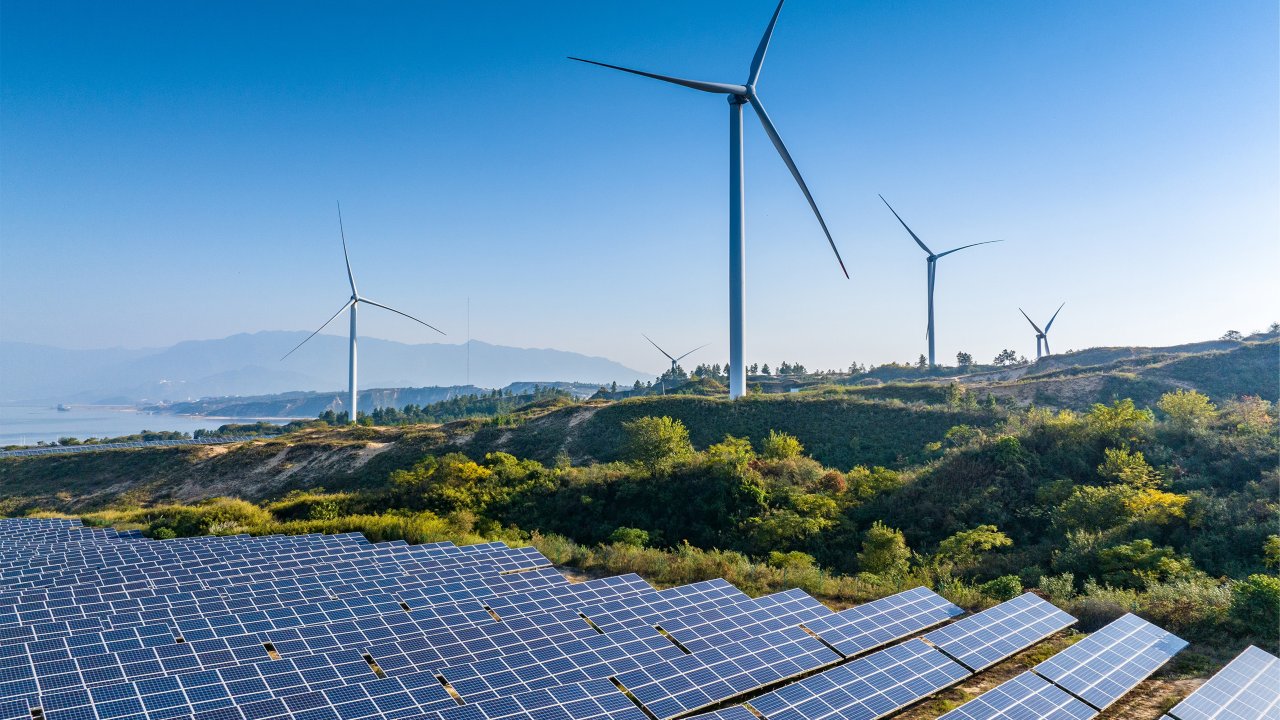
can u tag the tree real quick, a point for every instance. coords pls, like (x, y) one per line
(764, 369)
(656, 442)
(1128, 468)
(963, 549)
(964, 360)
(1005, 357)
(1249, 414)
(922, 362)
(733, 451)
(884, 550)
(1274, 328)
(1232, 335)
(1120, 421)
(1187, 409)
(1140, 563)
(780, 446)
(1271, 552)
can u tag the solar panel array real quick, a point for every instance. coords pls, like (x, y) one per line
(1248, 688)
(1024, 697)
(981, 640)
(97, 624)
(1081, 681)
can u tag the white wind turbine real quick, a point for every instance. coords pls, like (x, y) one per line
(1042, 336)
(351, 304)
(739, 95)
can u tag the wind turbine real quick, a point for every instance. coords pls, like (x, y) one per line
(675, 361)
(1042, 336)
(739, 95)
(352, 303)
(932, 263)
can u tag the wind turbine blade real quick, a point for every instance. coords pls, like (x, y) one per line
(772, 132)
(1055, 316)
(1037, 327)
(758, 61)
(317, 332)
(664, 352)
(691, 352)
(904, 224)
(384, 307)
(711, 87)
(343, 232)
(962, 247)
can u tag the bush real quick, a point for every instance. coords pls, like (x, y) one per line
(630, 536)
(793, 560)
(1005, 587)
(1255, 605)
(780, 446)
(1060, 588)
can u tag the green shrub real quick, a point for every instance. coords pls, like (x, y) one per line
(1005, 587)
(630, 536)
(793, 560)
(780, 446)
(1255, 605)
(1060, 588)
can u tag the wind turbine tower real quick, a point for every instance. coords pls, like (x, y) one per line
(739, 95)
(352, 304)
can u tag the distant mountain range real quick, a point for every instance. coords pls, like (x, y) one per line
(249, 365)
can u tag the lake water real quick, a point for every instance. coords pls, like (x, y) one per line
(27, 424)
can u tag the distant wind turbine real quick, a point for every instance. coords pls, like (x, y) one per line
(738, 96)
(932, 264)
(355, 300)
(1042, 336)
(675, 361)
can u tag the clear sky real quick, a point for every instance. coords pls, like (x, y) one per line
(168, 171)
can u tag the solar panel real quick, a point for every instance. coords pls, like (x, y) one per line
(868, 688)
(733, 712)
(1104, 666)
(979, 641)
(1248, 688)
(1025, 697)
(868, 626)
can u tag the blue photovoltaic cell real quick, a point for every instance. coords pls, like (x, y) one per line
(1248, 688)
(868, 626)
(1112, 661)
(988, 637)
(868, 688)
(1025, 697)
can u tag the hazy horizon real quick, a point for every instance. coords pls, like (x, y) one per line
(170, 174)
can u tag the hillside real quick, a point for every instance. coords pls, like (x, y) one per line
(842, 432)
(1224, 370)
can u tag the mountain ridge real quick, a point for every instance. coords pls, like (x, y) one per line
(249, 364)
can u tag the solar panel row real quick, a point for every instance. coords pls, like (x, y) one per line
(98, 625)
(1081, 681)
(1248, 688)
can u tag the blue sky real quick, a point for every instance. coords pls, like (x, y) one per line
(168, 171)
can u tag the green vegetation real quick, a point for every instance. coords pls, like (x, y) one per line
(1170, 514)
